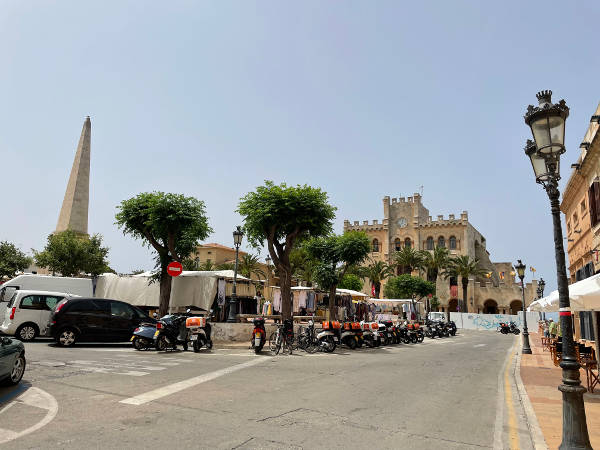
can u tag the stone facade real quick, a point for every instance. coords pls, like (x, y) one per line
(406, 221)
(581, 206)
(74, 211)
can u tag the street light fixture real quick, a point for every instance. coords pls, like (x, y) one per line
(237, 241)
(547, 123)
(540, 289)
(520, 268)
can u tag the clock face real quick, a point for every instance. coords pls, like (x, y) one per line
(402, 222)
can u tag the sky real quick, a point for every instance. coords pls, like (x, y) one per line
(363, 99)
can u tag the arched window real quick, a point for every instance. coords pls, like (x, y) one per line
(452, 242)
(429, 243)
(407, 243)
(441, 241)
(398, 244)
(375, 245)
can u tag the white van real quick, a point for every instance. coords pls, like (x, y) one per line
(75, 286)
(28, 313)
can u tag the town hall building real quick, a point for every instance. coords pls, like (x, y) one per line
(407, 223)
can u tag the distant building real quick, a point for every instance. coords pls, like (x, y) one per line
(215, 253)
(407, 223)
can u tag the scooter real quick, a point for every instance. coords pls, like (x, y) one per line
(259, 334)
(170, 331)
(329, 337)
(349, 337)
(143, 336)
(198, 332)
(370, 335)
(384, 334)
(419, 332)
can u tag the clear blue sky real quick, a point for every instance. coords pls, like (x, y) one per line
(364, 99)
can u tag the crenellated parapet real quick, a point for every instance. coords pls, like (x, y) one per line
(450, 221)
(375, 225)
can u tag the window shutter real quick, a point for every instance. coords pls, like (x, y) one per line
(592, 205)
(597, 201)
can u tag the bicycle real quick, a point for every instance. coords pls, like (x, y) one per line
(282, 339)
(307, 338)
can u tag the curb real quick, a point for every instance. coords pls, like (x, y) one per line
(535, 431)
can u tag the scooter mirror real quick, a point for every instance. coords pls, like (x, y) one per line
(155, 315)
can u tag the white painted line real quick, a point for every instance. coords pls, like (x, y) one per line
(39, 399)
(180, 386)
(499, 423)
(479, 345)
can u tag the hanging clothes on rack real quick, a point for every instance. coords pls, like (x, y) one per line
(310, 300)
(302, 299)
(221, 292)
(277, 301)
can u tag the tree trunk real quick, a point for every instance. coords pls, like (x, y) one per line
(286, 291)
(465, 283)
(377, 289)
(165, 291)
(332, 308)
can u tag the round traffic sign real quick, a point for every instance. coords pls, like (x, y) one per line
(174, 269)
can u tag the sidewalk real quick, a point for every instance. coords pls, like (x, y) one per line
(541, 379)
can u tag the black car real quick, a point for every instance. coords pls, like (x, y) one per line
(94, 319)
(12, 360)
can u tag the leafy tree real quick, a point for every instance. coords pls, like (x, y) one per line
(171, 224)
(351, 281)
(189, 264)
(464, 267)
(335, 254)
(434, 303)
(137, 271)
(407, 286)
(376, 272)
(408, 259)
(207, 266)
(282, 215)
(12, 260)
(70, 253)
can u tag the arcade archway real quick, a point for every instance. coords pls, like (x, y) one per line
(490, 307)
(516, 306)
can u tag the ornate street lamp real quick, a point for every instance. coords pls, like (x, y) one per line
(540, 288)
(237, 241)
(520, 268)
(547, 123)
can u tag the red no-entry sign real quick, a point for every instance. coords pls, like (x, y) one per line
(174, 269)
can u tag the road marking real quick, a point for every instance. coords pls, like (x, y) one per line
(479, 345)
(39, 399)
(499, 422)
(185, 384)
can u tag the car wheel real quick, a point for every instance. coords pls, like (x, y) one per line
(67, 337)
(26, 332)
(17, 371)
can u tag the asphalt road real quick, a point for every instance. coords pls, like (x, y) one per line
(451, 393)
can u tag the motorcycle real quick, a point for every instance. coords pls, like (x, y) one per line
(431, 329)
(452, 326)
(370, 334)
(259, 334)
(198, 332)
(419, 332)
(307, 339)
(349, 335)
(143, 336)
(386, 330)
(506, 328)
(329, 337)
(170, 331)
(412, 334)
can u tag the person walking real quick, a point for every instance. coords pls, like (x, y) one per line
(553, 328)
(545, 329)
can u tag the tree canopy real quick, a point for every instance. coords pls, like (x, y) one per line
(351, 281)
(407, 286)
(70, 253)
(12, 260)
(334, 255)
(376, 272)
(171, 224)
(281, 215)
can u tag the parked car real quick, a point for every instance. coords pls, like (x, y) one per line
(12, 360)
(94, 320)
(73, 286)
(29, 312)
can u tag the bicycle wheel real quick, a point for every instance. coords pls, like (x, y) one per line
(273, 342)
(313, 344)
(287, 344)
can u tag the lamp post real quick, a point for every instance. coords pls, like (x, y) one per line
(547, 123)
(237, 240)
(540, 293)
(520, 268)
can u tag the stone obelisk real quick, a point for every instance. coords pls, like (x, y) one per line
(74, 211)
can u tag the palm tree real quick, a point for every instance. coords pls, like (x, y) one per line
(226, 266)
(206, 265)
(464, 267)
(408, 259)
(376, 272)
(249, 265)
(435, 262)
